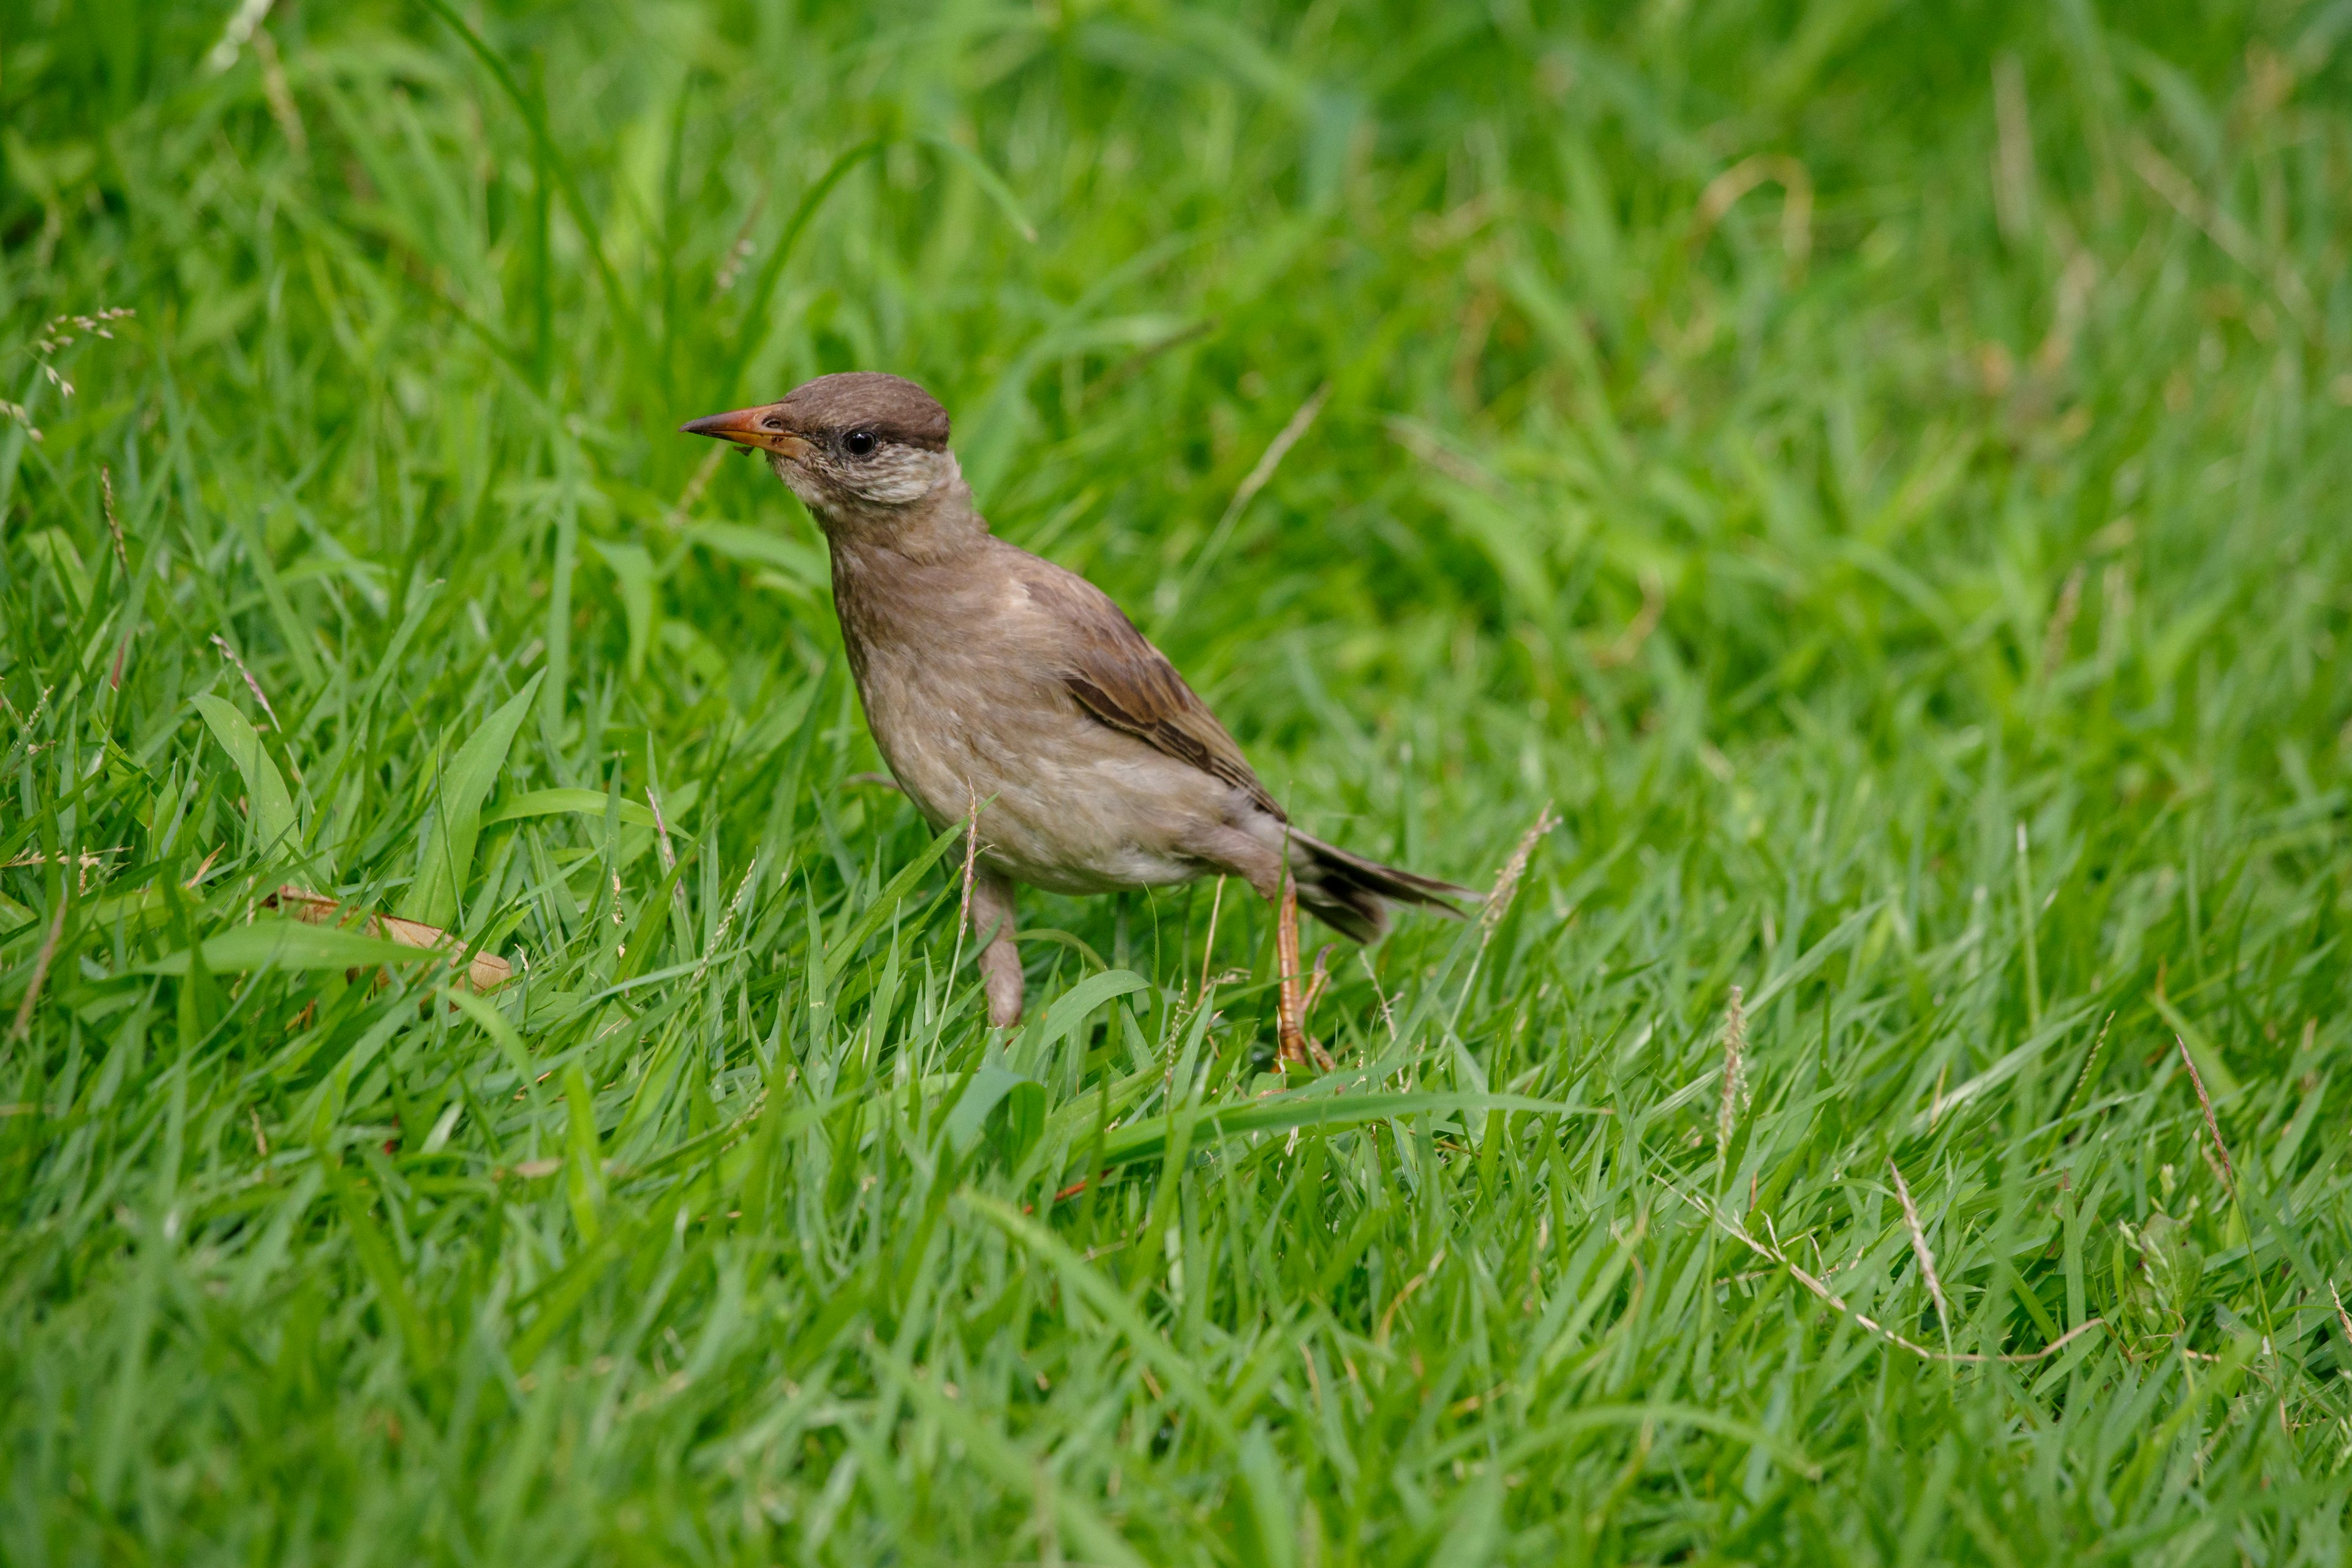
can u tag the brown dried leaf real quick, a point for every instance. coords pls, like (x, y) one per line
(484, 972)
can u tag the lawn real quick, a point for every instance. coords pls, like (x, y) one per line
(1838, 513)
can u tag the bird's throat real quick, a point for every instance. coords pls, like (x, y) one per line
(935, 529)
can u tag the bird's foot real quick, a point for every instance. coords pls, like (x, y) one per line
(1296, 1048)
(1290, 1046)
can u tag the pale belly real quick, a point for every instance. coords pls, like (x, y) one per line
(1065, 802)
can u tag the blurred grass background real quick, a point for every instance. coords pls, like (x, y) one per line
(1877, 471)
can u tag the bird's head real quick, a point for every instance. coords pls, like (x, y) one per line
(852, 446)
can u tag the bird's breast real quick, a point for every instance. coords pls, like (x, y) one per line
(965, 697)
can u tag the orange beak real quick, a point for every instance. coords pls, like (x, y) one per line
(762, 427)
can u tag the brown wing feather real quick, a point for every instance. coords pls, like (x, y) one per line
(1119, 677)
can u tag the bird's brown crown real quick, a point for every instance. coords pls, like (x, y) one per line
(891, 407)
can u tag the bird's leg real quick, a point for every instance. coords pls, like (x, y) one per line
(999, 960)
(1290, 1033)
(1289, 1037)
(1268, 875)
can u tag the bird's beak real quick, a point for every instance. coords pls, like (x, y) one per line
(748, 427)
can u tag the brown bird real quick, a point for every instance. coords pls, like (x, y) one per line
(995, 679)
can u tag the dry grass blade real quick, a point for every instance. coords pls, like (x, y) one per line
(1438, 456)
(971, 857)
(17, 1030)
(2012, 166)
(251, 685)
(1627, 644)
(1927, 1260)
(692, 495)
(1252, 483)
(1813, 1285)
(1723, 193)
(2226, 231)
(1208, 946)
(1262, 472)
(1388, 1318)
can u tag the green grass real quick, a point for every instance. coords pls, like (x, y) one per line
(1921, 586)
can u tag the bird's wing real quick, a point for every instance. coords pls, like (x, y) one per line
(1120, 679)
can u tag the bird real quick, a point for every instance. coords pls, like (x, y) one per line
(1009, 693)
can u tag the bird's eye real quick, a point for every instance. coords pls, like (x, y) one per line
(860, 443)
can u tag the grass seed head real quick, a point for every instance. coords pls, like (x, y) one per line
(1735, 1086)
(1506, 881)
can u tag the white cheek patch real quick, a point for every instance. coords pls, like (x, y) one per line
(896, 476)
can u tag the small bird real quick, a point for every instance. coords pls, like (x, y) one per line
(1004, 689)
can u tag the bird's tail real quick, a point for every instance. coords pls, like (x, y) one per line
(1351, 894)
